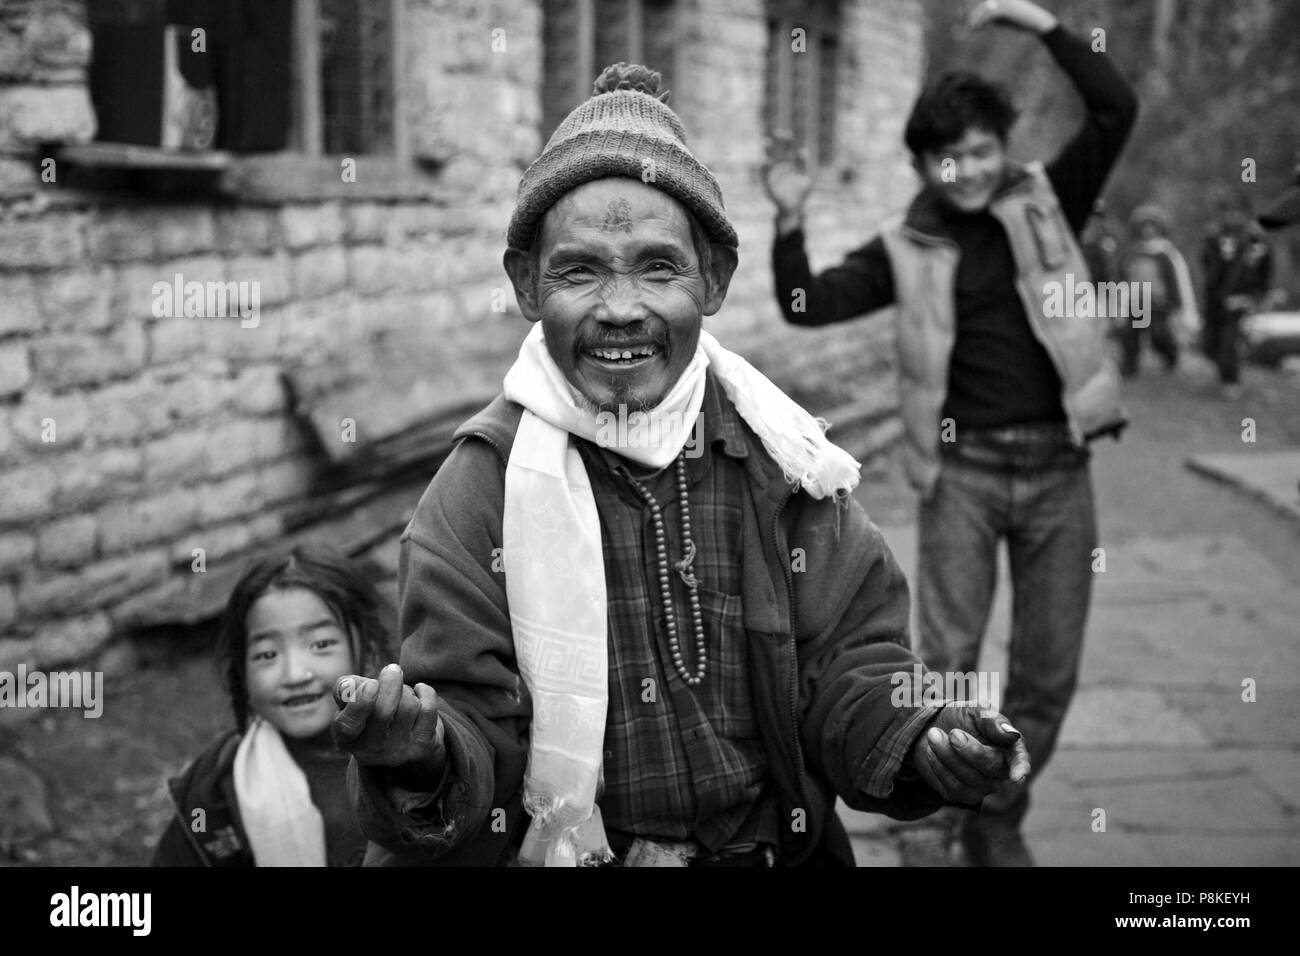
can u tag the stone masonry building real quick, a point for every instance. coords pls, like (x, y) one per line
(362, 173)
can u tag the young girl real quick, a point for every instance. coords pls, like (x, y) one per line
(273, 791)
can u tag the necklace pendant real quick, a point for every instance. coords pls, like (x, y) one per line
(684, 566)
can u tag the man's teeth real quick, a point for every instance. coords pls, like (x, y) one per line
(641, 351)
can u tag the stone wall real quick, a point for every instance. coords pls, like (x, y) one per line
(127, 439)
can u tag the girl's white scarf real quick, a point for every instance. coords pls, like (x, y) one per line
(555, 571)
(283, 826)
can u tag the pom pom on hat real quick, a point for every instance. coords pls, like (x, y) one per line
(624, 76)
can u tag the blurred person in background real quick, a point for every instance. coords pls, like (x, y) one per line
(1100, 241)
(1154, 261)
(1236, 264)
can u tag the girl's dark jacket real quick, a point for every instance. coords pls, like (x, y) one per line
(828, 626)
(215, 836)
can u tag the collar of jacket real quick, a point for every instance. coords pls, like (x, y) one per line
(925, 215)
(208, 784)
(499, 421)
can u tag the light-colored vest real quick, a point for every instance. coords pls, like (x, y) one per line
(1045, 251)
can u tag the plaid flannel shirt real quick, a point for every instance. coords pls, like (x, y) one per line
(680, 762)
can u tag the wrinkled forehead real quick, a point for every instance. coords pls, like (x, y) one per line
(614, 207)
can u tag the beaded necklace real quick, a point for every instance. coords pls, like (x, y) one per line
(683, 568)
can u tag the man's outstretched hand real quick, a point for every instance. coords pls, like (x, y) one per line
(384, 723)
(967, 752)
(1015, 13)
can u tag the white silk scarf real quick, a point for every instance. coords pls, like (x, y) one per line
(283, 826)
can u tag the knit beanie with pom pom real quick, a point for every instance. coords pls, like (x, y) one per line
(625, 129)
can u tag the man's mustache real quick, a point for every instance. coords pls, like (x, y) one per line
(625, 338)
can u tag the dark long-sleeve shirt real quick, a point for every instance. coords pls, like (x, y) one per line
(999, 373)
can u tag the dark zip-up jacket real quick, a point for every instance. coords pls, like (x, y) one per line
(205, 829)
(825, 609)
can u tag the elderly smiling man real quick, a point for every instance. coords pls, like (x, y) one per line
(668, 651)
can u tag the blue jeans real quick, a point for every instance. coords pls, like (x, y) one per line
(1027, 484)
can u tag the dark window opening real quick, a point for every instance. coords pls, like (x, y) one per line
(262, 76)
(356, 76)
(582, 37)
(800, 95)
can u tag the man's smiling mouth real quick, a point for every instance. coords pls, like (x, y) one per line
(622, 357)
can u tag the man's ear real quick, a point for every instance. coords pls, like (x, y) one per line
(719, 276)
(519, 266)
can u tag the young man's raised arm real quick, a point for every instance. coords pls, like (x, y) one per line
(862, 283)
(1079, 172)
